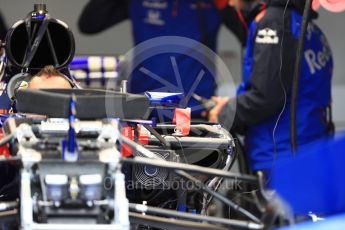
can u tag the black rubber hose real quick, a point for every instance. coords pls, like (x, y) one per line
(157, 135)
(296, 77)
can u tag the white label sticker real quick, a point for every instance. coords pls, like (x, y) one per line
(267, 36)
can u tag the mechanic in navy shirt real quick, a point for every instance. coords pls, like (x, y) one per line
(199, 20)
(264, 98)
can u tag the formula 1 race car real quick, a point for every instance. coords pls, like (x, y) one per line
(95, 170)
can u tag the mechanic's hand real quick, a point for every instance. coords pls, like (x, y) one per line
(214, 113)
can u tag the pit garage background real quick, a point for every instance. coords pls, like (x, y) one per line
(228, 47)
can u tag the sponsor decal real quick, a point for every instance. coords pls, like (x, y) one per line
(267, 36)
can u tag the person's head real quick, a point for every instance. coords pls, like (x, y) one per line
(240, 4)
(49, 78)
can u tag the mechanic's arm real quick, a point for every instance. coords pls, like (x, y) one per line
(99, 15)
(232, 21)
(265, 96)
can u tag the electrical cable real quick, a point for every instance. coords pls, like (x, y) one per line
(282, 85)
(182, 150)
